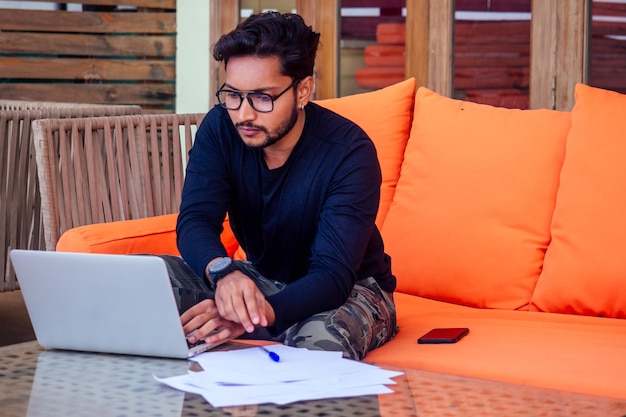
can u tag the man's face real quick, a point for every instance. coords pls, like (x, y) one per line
(258, 129)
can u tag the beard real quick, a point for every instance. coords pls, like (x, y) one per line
(273, 137)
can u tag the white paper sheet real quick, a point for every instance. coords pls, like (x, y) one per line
(249, 376)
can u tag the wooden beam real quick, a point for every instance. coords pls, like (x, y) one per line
(417, 38)
(430, 44)
(441, 47)
(572, 53)
(559, 52)
(323, 16)
(543, 44)
(224, 18)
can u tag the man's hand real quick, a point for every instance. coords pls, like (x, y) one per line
(238, 299)
(209, 325)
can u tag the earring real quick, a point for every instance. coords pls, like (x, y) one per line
(301, 106)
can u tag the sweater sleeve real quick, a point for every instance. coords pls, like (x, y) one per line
(205, 198)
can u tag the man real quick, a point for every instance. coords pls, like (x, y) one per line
(301, 186)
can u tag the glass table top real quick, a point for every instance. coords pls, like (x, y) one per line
(36, 382)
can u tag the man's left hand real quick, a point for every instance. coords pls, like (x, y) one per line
(238, 299)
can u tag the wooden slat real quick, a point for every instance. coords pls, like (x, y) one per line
(611, 78)
(491, 60)
(140, 94)
(90, 45)
(488, 77)
(608, 55)
(608, 28)
(87, 22)
(608, 9)
(87, 69)
(502, 97)
(615, 63)
(472, 32)
(470, 49)
(600, 46)
(160, 4)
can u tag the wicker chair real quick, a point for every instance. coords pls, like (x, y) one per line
(20, 208)
(36, 105)
(103, 169)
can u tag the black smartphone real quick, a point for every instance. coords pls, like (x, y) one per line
(444, 335)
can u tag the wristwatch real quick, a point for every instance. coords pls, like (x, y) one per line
(220, 268)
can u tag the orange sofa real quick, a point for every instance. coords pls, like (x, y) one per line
(508, 222)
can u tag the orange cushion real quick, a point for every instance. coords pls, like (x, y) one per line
(378, 77)
(385, 115)
(391, 33)
(585, 265)
(377, 55)
(155, 235)
(470, 219)
(557, 351)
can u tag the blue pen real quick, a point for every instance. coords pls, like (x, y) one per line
(273, 355)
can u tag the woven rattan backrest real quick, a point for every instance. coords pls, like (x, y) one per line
(99, 109)
(20, 208)
(103, 169)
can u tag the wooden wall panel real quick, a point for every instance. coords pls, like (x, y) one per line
(104, 54)
(151, 96)
(87, 22)
(90, 45)
(165, 4)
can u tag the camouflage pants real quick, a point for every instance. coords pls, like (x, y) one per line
(364, 322)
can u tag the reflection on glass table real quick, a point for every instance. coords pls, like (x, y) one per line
(73, 383)
(34, 382)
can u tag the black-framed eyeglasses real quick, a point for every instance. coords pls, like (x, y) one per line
(261, 102)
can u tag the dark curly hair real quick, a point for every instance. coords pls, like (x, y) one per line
(268, 34)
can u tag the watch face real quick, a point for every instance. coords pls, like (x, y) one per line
(220, 264)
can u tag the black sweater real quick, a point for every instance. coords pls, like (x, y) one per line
(309, 223)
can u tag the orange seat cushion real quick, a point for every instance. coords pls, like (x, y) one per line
(470, 219)
(391, 33)
(585, 266)
(154, 235)
(378, 77)
(557, 351)
(385, 115)
(377, 55)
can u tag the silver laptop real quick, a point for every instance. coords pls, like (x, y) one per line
(102, 303)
